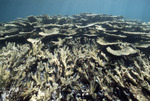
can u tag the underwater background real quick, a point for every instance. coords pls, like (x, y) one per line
(134, 9)
(74, 50)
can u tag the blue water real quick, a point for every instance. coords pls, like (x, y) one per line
(133, 9)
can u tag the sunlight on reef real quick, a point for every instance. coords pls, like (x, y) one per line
(84, 57)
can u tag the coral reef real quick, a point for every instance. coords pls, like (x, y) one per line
(89, 57)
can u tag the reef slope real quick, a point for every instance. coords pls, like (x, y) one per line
(92, 57)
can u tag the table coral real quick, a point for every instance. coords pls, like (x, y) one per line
(84, 57)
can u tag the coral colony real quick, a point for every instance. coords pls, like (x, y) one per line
(85, 57)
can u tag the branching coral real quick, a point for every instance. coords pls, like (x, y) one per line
(74, 59)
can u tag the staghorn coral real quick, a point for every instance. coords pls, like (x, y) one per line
(74, 58)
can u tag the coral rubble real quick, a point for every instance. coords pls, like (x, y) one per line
(93, 57)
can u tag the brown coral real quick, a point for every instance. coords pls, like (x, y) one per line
(72, 58)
